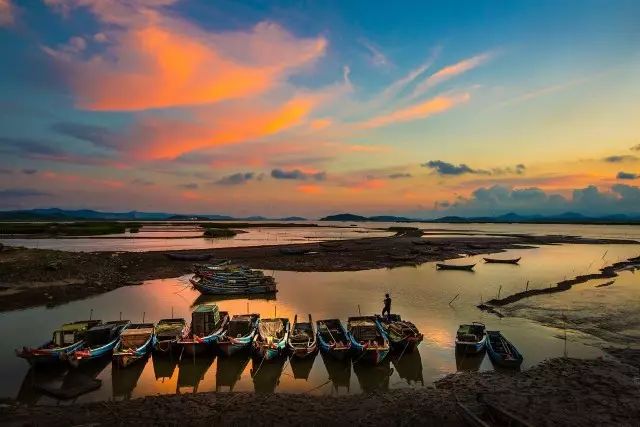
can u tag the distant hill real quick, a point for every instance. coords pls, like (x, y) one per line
(344, 217)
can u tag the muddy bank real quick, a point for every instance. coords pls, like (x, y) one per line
(557, 392)
(32, 277)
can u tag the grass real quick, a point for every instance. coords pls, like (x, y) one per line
(219, 232)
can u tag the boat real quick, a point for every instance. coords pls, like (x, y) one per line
(302, 339)
(502, 260)
(168, 332)
(464, 267)
(271, 340)
(66, 340)
(471, 338)
(177, 256)
(330, 244)
(295, 251)
(136, 342)
(207, 325)
(100, 341)
(403, 335)
(368, 340)
(239, 333)
(333, 338)
(232, 280)
(502, 352)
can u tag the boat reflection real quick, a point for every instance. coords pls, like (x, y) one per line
(301, 368)
(373, 377)
(266, 373)
(230, 369)
(409, 366)
(468, 361)
(191, 371)
(203, 299)
(164, 365)
(125, 380)
(339, 372)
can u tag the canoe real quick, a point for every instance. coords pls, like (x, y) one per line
(176, 256)
(333, 339)
(465, 267)
(271, 340)
(302, 339)
(403, 335)
(66, 340)
(168, 332)
(368, 341)
(136, 342)
(502, 260)
(100, 341)
(502, 352)
(471, 338)
(238, 334)
(207, 325)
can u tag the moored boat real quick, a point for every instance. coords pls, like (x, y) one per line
(168, 332)
(502, 260)
(302, 339)
(136, 342)
(238, 334)
(502, 352)
(100, 341)
(271, 340)
(231, 280)
(403, 335)
(368, 340)
(471, 338)
(333, 338)
(463, 267)
(207, 325)
(178, 256)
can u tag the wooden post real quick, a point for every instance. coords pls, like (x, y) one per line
(143, 314)
(91, 314)
(527, 288)
(359, 313)
(172, 312)
(500, 289)
(120, 315)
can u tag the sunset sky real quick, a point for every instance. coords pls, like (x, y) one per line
(425, 108)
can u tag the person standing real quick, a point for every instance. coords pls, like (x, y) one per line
(387, 305)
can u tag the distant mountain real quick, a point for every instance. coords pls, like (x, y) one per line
(292, 218)
(344, 217)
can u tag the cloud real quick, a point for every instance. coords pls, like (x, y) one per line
(376, 57)
(310, 189)
(100, 136)
(142, 181)
(18, 193)
(620, 159)
(7, 13)
(399, 175)
(189, 186)
(635, 148)
(297, 175)
(29, 171)
(627, 175)
(27, 146)
(444, 168)
(236, 178)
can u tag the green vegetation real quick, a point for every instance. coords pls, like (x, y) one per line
(219, 232)
(54, 229)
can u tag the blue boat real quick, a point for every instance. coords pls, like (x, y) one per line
(271, 340)
(368, 340)
(168, 332)
(333, 338)
(100, 340)
(403, 335)
(471, 338)
(66, 340)
(502, 352)
(239, 333)
(207, 326)
(136, 342)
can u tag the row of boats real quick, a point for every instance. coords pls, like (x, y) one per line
(226, 279)
(473, 339)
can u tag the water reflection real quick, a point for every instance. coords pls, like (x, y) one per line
(409, 366)
(301, 368)
(468, 361)
(266, 373)
(125, 380)
(230, 369)
(164, 365)
(339, 372)
(373, 377)
(192, 370)
(203, 299)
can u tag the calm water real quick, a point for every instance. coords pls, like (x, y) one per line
(421, 294)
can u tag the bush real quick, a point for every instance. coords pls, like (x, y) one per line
(219, 232)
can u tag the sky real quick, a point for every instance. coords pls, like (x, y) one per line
(421, 109)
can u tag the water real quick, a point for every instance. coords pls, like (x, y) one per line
(420, 294)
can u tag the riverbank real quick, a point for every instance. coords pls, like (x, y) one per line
(556, 392)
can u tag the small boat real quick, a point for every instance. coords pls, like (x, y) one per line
(136, 342)
(302, 339)
(168, 332)
(403, 335)
(66, 340)
(333, 338)
(465, 267)
(502, 352)
(207, 325)
(295, 251)
(471, 338)
(271, 340)
(99, 341)
(177, 256)
(502, 260)
(231, 280)
(238, 334)
(368, 340)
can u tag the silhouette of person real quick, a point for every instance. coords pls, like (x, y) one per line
(387, 305)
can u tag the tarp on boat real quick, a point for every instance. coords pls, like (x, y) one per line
(132, 338)
(363, 330)
(239, 327)
(272, 328)
(204, 319)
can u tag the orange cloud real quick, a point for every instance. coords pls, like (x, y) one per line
(7, 13)
(319, 124)
(451, 71)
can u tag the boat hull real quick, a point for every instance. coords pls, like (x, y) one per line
(43, 356)
(304, 353)
(270, 353)
(229, 347)
(127, 358)
(471, 347)
(406, 345)
(85, 355)
(501, 359)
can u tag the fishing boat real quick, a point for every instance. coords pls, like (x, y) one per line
(294, 251)
(136, 342)
(177, 256)
(403, 335)
(271, 340)
(238, 334)
(368, 340)
(471, 338)
(207, 325)
(302, 339)
(333, 338)
(66, 340)
(464, 267)
(99, 341)
(168, 332)
(232, 280)
(502, 352)
(502, 260)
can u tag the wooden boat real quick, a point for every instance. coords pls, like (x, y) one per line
(368, 340)
(100, 341)
(333, 338)
(136, 342)
(502, 352)
(66, 340)
(168, 332)
(464, 267)
(471, 338)
(403, 335)
(232, 280)
(177, 256)
(207, 325)
(302, 339)
(294, 251)
(238, 334)
(502, 260)
(271, 340)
